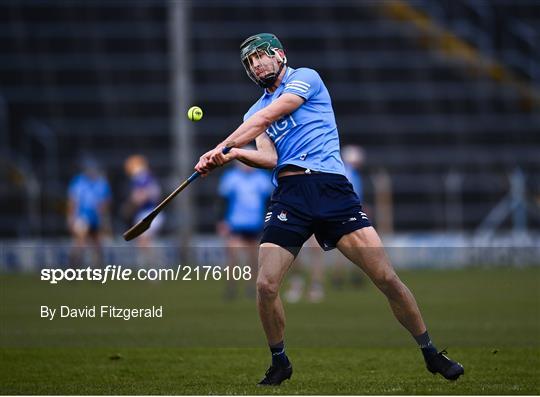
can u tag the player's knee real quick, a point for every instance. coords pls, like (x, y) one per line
(267, 289)
(388, 282)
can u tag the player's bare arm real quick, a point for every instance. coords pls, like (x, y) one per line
(249, 130)
(260, 121)
(264, 157)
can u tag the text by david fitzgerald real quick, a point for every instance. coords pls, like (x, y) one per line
(103, 311)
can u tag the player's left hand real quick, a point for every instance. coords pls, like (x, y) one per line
(218, 159)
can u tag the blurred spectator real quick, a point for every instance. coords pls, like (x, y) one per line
(143, 197)
(354, 157)
(89, 197)
(246, 191)
(309, 267)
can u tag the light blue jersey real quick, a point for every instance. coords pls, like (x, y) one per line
(88, 195)
(308, 137)
(246, 192)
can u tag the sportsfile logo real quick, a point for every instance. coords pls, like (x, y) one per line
(123, 273)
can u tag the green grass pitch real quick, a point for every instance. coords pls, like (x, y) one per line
(489, 319)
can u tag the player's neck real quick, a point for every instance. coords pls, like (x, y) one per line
(278, 81)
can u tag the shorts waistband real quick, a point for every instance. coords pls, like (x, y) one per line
(313, 176)
(296, 169)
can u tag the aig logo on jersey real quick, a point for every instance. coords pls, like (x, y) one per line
(278, 129)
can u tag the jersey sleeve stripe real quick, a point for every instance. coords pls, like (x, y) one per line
(292, 89)
(295, 87)
(300, 83)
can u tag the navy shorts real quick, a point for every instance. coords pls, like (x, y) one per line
(320, 203)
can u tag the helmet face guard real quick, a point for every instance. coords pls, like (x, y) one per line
(263, 43)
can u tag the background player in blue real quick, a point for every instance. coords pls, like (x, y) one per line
(89, 197)
(353, 159)
(144, 195)
(312, 196)
(246, 190)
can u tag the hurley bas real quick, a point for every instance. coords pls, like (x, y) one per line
(101, 312)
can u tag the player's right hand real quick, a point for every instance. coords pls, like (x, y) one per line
(204, 166)
(212, 159)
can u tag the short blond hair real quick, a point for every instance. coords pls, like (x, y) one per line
(135, 163)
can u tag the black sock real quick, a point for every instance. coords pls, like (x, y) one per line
(425, 343)
(279, 358)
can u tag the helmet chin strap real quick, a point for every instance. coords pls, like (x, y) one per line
(269, 80)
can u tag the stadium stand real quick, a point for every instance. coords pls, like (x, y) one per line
(81, 77)
(443, 96)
